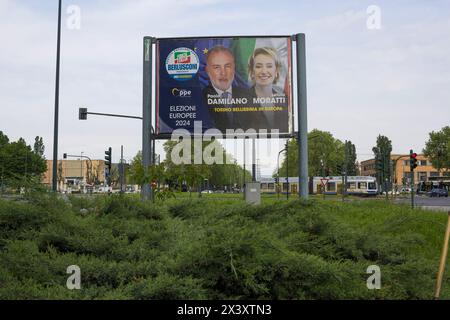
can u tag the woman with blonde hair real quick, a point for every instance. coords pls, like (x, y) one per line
(264, 67)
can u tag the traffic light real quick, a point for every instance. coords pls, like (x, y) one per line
(82, 113)
(412, 160)
(64, 155)
(108, 159)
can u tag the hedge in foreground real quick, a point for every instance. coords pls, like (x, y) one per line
(208, 249)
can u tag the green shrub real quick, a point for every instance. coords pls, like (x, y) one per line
(16, 219)
(167, 287)
(209, 249)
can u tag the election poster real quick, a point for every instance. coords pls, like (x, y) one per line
(224, 83)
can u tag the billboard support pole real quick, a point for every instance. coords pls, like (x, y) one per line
(146, 191)
(302, 116)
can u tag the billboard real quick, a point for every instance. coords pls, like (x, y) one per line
(224, 82)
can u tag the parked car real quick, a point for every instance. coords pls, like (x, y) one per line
(104, 190)
(390, 192)
(437, 192)
(405, 190)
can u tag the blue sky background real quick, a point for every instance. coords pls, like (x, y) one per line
(394, 81)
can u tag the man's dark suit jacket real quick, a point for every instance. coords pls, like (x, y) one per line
(221, 120)
(246, 120)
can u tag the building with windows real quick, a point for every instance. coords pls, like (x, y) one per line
(400, 164)
(76, 175)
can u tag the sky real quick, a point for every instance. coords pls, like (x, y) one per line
(361, 81)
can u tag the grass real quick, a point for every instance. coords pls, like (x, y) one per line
(189, 248)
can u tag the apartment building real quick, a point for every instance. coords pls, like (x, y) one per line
(76, 174)
(400, 163)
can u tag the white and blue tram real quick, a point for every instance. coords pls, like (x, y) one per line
(356, 185)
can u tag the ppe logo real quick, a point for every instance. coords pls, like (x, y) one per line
(182, 64)
(182, 93)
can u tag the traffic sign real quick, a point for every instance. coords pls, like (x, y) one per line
(324, 181)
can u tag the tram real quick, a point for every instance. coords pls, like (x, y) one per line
(356, 185)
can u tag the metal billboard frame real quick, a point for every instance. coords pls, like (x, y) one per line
(301, 134)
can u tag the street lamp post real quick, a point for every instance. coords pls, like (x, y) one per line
(278, 169)
(55, 129)
(82, 175)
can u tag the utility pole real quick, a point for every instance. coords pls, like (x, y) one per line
(392, 176)
(55, 129)
(323, 175)
(344, 173)
(412, 189)
(121, 169)
(386, 166)
(82, 175)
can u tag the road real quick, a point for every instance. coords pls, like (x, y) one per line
(425, 202)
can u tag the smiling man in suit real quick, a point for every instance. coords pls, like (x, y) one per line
(220, 96)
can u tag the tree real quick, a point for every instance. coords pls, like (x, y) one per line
(39, 147)
(114, 175)
(290, 166)
(351, 163)
(325, 155)
(382, 152)
(136, 171)
(19, 164)
(194, 175)
(3, 140)
(190, 175)
(60, 173)
(437, 149)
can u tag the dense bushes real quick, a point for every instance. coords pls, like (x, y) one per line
(206, 249)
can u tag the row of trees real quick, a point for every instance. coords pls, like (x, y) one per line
(20, 164)
(327, 156)
(192, 176)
